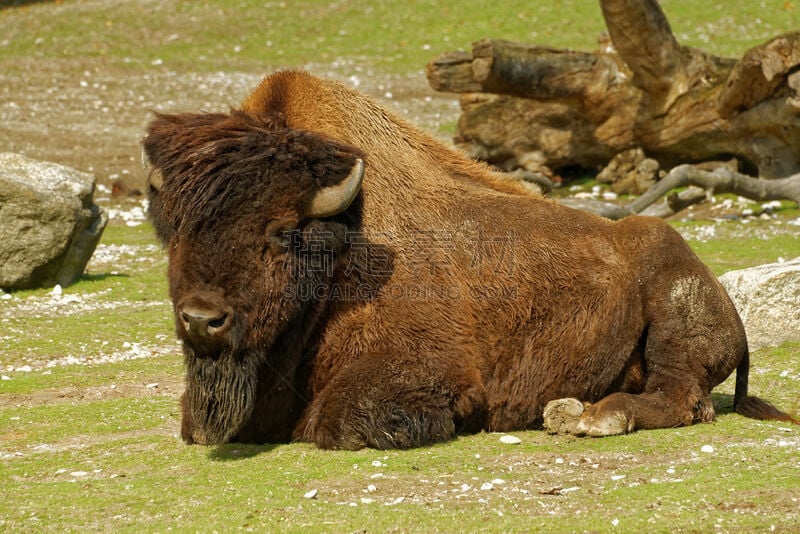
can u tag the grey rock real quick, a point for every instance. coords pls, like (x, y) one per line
(768, 300)
(49, 226)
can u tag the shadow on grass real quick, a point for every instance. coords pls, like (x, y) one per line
(238, 451)
(99, 277)
(723, 403)
(19, 3)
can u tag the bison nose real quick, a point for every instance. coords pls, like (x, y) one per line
(205, 323)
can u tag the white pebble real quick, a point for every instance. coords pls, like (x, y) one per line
(487, 486)
(154, 385)
(559, 460)
(510, 440)
(7, 296)
(617, 477)
(56, 291)
(377, 463)
(78, 473)
(5, 377)
(498, 481)
(371, 488)
(312, 494)
(366, 500)
(707, 448)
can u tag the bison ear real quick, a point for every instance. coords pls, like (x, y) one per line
(331, 200)
(154, 177)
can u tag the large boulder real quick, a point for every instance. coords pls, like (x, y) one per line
(49, 226)
(768, 300)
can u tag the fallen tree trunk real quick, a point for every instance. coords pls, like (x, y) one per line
(534, 107)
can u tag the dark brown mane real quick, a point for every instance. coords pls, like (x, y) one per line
(216, 160)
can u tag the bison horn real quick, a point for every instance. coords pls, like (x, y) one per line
(334, 199)
(154, 177)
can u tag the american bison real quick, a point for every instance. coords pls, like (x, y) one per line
(340, 277)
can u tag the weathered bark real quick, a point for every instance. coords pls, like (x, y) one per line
(452, 72)
(534, 107)
(760, 73)
(531, 71)
(644, 40)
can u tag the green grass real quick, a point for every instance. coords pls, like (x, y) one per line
(391, 36)
(739, 247)
(152, 482)
(128, 305)
(139, 372)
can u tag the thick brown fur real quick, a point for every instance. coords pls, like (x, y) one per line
(445, 298)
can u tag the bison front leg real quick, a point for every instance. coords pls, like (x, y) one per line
(387, 403)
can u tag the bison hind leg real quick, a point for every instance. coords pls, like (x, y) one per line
(571, 416)
(616, 414)
(561, 416)
(620, 413)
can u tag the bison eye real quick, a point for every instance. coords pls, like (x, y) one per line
(284, 239)
(281, 233)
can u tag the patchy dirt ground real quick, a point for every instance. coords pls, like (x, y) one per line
(92, 116)
(88, 115)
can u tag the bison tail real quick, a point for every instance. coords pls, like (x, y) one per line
(753, 407)
(756, 408)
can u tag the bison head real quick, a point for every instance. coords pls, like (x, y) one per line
(236, 199)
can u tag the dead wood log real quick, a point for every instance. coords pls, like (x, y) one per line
(532, 107)
(452, 72)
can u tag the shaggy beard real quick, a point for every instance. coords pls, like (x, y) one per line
(220, 395)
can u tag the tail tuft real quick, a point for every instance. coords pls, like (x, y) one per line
(755, 408)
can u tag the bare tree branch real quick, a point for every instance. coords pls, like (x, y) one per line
(720, 180)
(676, 202)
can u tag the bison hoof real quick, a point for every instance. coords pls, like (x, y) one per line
(603, 424)
(561, 416)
